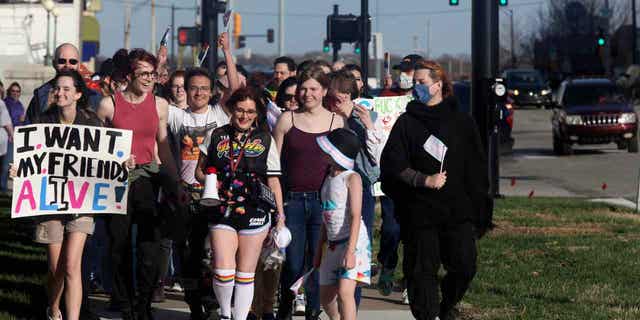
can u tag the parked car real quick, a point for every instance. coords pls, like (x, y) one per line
(527, 88)
(462, 91)
(593, 111)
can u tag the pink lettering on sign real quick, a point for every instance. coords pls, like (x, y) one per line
(76, 202)
(26, 193)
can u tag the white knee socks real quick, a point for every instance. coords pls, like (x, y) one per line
(243, 295)
(223, 281)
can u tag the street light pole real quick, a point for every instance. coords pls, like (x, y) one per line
(47, 57)
(634, 33)
(281, 29)
(513, 46)
(364, 44)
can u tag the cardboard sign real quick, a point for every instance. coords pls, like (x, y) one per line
(70, 169)
(388, 109)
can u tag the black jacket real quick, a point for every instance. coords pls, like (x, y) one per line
(405, 165)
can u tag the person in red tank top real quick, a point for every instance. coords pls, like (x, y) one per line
(137, 109)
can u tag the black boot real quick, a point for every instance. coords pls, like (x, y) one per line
(312, 314)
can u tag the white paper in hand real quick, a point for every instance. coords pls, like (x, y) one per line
(436, 149)
(298, 284)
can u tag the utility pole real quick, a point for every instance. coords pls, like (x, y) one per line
(364, 44)
(281, 29)
(153, 26)
(127, 25)
(173, 32)
(634, 33)
(484, 52)
(427, 49)
(335, 45)
(513, 39)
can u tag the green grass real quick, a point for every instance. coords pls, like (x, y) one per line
(557, 259)
(548, 259)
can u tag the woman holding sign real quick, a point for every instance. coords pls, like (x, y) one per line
(435, 166)
(65, 235)
(244, 157)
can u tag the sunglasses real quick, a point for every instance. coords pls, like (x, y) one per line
(72, 62)
(288, 97)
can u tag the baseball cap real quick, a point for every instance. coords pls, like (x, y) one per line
(408, 62)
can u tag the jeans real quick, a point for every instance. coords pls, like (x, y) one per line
(4, 175)
(389, 235)
(303, 212)
(368, 216)
(98, 258)
(141, 211)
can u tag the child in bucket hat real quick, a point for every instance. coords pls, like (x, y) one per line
(347, 261)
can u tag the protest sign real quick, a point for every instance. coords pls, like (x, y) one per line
(70, 169)
(388, 109)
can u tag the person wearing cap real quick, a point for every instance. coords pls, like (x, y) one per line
(347, 261)
(404, 84)
(434, 164)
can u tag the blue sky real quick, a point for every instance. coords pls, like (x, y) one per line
(305, 23)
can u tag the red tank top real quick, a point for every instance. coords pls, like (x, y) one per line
(142, 119)
(303, 160)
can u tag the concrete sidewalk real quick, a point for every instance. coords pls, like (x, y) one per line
(373, 306)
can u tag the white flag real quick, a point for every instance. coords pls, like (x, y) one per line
(436, 149)
(298, 284)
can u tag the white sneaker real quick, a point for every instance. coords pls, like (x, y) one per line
(299, 305)
(405, 297)
(52, 316)
(176, 287)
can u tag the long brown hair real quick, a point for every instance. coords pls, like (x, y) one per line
(437, 73)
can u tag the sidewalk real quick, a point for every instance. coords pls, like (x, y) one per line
(373, 307)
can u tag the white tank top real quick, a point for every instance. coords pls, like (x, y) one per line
(335, 212)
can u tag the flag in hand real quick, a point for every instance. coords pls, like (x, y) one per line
(436, 149)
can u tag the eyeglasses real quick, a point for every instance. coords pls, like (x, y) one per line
(245, 112)
(14, 91)
(288, 97)
(72, 62)
(147, 75)
(176, 88)
(196, 88)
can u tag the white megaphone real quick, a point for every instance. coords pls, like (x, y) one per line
(210, 197)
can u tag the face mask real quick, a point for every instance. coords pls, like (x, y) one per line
(421, 93)
(406, 82)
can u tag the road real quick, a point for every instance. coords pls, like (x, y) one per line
(599, 171)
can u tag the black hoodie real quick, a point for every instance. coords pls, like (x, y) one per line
(405, 165)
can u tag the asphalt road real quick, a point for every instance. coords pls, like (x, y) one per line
(594, 171)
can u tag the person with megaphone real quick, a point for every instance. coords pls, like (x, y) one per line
(243, 162)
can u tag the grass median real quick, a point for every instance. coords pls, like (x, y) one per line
(547, 259)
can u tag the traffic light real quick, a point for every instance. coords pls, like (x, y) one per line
(188, 36)
(343, 28)
(356, 48)
(237, 25)
(503, 2)
(600, 39)
(240, 43)
(270, 35)
(454, 2)
(325, 46)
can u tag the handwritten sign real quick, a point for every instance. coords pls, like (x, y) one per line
(70, 169)
(388, 109)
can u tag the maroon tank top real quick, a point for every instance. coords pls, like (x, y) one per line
(142, 119)
(304, 163)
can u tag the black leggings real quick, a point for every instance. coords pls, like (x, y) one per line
(425, 249)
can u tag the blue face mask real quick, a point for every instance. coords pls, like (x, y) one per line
(421, 93)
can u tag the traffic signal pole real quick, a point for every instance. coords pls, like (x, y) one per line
(364, 44)
(484, 57)
(335, 45)
(212, 37)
